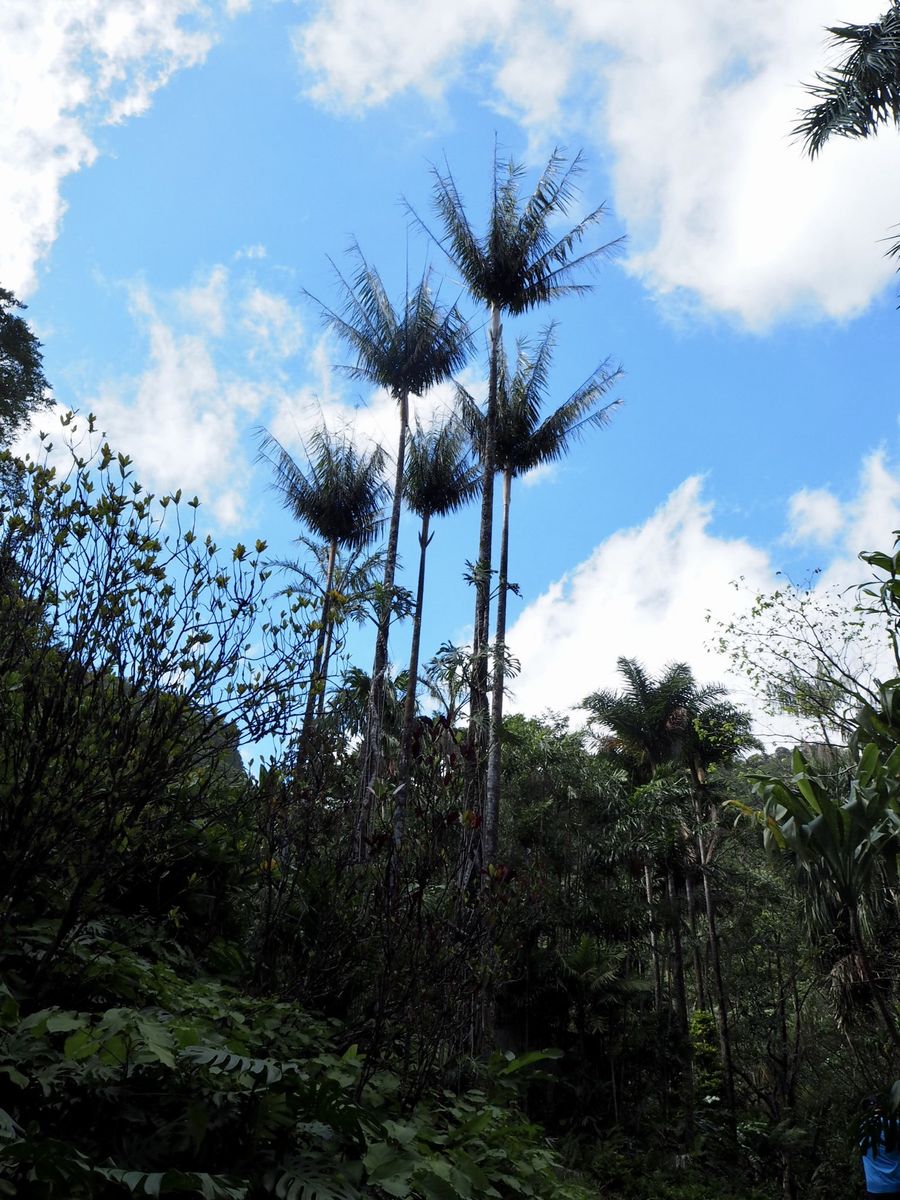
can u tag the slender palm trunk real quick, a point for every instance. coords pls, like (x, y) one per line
(677, 955)
(654, 940)
(699, 973)
(409, 705)
(493, 788)
(715, 958)
(478, 705)
(319, 675)
(371, 755)
(326, 664)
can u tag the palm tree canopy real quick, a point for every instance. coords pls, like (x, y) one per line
(670, 719)
(340, 493)
(406, 349)
(355, 575)
(523, 440)
(440, 477)
(520, 262)
(863, 92)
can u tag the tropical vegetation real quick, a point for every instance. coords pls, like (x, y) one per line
(272, 924)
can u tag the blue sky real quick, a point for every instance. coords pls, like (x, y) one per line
(174, 174)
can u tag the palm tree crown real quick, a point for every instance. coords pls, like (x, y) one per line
(405, 349)
(340, 493)
(519, 263)
(672, 719)
(523, 439)
(440, 477)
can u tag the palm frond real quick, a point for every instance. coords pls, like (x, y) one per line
(518, 264)
(405, 349)
(523, 440)
(861, 94)
(440, 477)
(340, 493)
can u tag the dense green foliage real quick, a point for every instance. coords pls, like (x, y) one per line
(659, 969)
(23, 388)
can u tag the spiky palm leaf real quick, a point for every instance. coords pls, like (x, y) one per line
(338, 495)
(523, 440)
(405, 349)
(440, 476)
(519, 263)
(861, 94)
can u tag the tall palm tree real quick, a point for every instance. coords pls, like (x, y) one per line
(520, 263)
(406, 350)
(440, 479)
(673, 721)
(339, 496)
(522, 442)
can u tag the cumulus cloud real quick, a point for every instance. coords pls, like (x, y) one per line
(183, 421)
(645, 593)
(204, 303)
(814, 515)
(213, 371)
(693, 106)
(361, 53)
(367, 417)
(68, 67)
(273, 322)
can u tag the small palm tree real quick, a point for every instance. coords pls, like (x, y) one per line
(406, 350)
(520, 263)
(339, 497)
(353, 590)
(673, 721)
(522, 442)
(440, 479)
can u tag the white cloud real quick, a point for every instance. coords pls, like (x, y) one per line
(644, 593)
(695, 101)
(188, 419)
(69, 66)
(542, 473)
(183, 421)
(204, 303)
(875, 514)
(362, 53)
(273, 322)
(814, 515)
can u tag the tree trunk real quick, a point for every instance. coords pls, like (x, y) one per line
(716, 963)
(654, 941)
(326, 665)
(492, 796)
(677, 955)
(318, 658)
(409, 705)
(478, 704)
(699, 973)
(370, 765)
